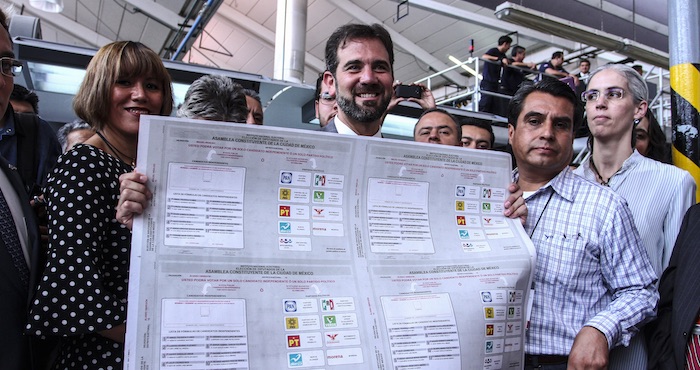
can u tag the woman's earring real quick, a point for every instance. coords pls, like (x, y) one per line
(636, 121)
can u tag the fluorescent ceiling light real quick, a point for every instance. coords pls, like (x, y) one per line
(543, 22)
(51, 6)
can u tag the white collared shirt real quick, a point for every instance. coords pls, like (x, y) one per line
(344, 129)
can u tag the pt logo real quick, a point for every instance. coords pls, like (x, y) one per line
(285, 194)
(329, 322)
(318, 196)
(285, 211)
(295, 359)
(486, 207)
(290, 306)
(293, 341)
(327, 305)
(459, 205)
(490, 330)
(286, 178)
(461, 221)
(292, 322)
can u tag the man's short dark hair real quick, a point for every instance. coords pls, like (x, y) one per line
(505, 39)
(319, 83)
(253, 94)
(548, 86)
(21, 93)
(517, 49)
(438, 110)
(557, 54)
(482, 125)
(214, 98)
(349, 32)
(584, 60)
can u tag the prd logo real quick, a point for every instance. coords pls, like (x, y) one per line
(459, 205)
(489, 313)
(285, 194)
(318, 196)
(292, 322)
(329, 321)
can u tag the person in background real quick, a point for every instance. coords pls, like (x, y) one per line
(73, 133)
(255, 110)
(650, 140)
(615, 102)
(477, 134)
(215, 98)
(494, 58)
(554, 69)
(82, 295)
(584, 74)
(437, 126)
(324, 103)
(23, 100)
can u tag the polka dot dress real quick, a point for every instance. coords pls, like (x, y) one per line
(84, 286)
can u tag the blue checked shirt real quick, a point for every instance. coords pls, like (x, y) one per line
(591, 268)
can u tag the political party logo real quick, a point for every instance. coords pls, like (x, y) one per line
(511, 312)
(286, 178)
(332, 337)
(295, 359)
(318, 196)
(486, 297)
(511, 297)
(459, 205)
(461, 220)
(320, 180)
(285, 227)
(285, 211)
(486, 207)
(489, 312)
(285, 194)
(293, 341)
(509, 328)
(286, 241)
(463, 234)
(490, 330)
(489, 346)
(461, 191)
(292, 322)
(487, 220)
(327, 305)
(329, 321)
(290, 306)
(319, 211)
(486, 193)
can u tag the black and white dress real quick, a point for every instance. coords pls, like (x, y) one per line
(83, 289)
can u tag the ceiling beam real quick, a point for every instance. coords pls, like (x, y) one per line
(489, 22)
(158, 12)
(65, 24)
(403, 42)
(263, 34)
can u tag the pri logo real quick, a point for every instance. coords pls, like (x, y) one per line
(293, 341)
(290, 306)
(320, 180)
(461, 221)
(329, 322)
(295, 359)
(486, 193)
(327, 305)
(285, 211)
(286, 178)
(285, 228)
(459, 205)
(285, 194)
(511, 297)
(292, 322)
(461, 191)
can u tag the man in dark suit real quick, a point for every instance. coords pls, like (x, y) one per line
(19, 250)
(668, 336)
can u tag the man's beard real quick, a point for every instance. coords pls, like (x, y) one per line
(361, 113)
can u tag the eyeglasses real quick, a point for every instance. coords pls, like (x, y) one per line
(613, 93)
(326, 99)
(10, 67)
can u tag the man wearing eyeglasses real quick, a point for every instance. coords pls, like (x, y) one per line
(593, 282)
(324, 103)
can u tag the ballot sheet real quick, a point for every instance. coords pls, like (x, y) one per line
(273, 248)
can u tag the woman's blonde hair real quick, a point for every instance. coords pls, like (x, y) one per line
(114, 61)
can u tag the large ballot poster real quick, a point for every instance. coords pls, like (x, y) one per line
(271, 248)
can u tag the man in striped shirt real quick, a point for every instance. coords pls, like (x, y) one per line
(593, 281)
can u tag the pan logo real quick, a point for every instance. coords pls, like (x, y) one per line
(290, 306)
(286, 178)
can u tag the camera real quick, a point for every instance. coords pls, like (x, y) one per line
(409, 91)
